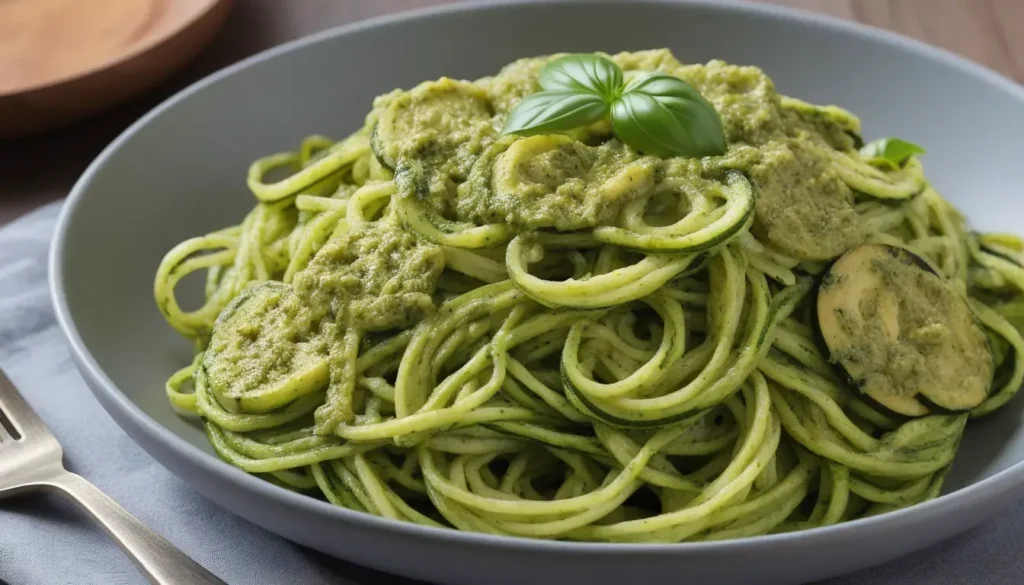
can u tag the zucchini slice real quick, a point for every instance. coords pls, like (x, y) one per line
(840, 127)
(900, 334)
(434, 119)
(253, 363)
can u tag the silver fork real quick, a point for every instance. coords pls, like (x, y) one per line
(31, 459)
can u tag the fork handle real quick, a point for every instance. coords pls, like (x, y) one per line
(159, 560)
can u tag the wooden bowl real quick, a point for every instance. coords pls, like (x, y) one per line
(64, 59)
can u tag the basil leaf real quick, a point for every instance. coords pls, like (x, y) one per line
(661, 114)
(583, 72)
(554, 111)
(892, 151)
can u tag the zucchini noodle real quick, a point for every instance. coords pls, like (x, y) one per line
(656, 378)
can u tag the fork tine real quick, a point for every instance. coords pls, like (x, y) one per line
(16, 417)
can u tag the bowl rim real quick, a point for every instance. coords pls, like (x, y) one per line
(121, 408)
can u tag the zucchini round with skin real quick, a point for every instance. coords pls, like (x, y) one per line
(900, 334)
(845, 119)
(252, 364)
(435, 117)
(837, 125)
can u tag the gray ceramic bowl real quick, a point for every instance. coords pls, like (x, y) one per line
(180, 171)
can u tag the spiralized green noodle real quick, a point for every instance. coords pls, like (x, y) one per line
(663, 392)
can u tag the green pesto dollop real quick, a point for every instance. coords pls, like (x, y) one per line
(431, 135)
(553, 181)
(802, 206)
(375, 277)
(272, 343)
(445, 122)
(259, 352)
(938, 343)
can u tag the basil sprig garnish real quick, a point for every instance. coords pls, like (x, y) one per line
(655, 113)
(586, 73)
(662, 114)
(890, 151)
(555, 111)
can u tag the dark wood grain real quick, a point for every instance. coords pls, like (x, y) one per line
(42, 168)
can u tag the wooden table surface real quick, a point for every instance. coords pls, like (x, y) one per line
(42, 168)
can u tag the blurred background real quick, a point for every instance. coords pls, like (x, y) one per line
(75, 73)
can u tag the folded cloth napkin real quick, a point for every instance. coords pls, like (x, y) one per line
(43, 542)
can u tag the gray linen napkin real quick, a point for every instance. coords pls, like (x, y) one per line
(43, 542)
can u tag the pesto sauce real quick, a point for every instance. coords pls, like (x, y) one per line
(584, 179)
(553, 181)
(802, 206)
(935, 345)
(442, 139)
(253, 342)
(375, 277)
